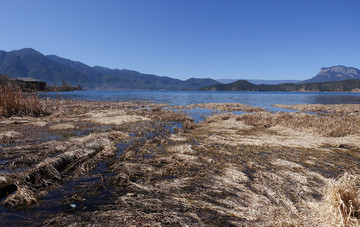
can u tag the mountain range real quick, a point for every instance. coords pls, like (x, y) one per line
(335, 73)
(351, 85)
(53, 70)
(256, 81)
(332, 79)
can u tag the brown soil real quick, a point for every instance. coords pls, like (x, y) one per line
(140, 164)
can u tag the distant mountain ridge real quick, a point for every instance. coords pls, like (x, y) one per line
(352, 85)
(28, 62)
(335, 73)
(258, 81)
(31, 63)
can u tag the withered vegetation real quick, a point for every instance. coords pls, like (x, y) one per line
(143, 164)
(13, 102)
(327, 125)
(226, 107)
(341, 205)
(334, 108)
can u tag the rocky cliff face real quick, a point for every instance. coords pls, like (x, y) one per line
(335, 73)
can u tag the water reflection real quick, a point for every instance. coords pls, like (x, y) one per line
(337, 99)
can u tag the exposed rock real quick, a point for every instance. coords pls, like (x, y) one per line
(335, 73)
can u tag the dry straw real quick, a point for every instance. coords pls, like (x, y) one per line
(324, 108)
(13, 102)
(331, 126)
(225, 107)
(341, 204)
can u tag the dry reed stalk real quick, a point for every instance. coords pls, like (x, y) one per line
(13, 102)
(330, 126)
(335, 108)
(9, 135)
(51, 170)
(23, 197)
(226, 107)
(341, 204)
(44, 174)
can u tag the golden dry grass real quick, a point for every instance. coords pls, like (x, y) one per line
(331, 126)
(13, 102)
(60, 126)
(214, 173)
(78, 155)
(23, 197)
(200, 185)
(229, 129)
(113, 117)
(334, 108)
(225, 107)
(8, 135)
(341, 204)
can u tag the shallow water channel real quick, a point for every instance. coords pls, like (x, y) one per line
(88, 192)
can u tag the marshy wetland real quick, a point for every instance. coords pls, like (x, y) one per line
(137, 163)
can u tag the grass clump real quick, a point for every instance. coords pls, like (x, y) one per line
(226, 107)
(13, 102)
(341, 205)
(326, 108)
(329, 126)
(24, 196)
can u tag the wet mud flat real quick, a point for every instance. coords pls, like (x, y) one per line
(145, 164)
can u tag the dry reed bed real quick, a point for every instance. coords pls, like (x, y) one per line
(32, 179)
(76, 108)
(341, 205)
(34, 183)
(13, 102)
(188, 179)
(72, 154)
(330, 126)
(228, 129)
(295, 186)
(334, 108)
(207, 185)
(225, 107)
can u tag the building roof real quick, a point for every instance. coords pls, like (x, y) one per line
(27, 79)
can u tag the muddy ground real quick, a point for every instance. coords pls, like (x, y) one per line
(145, 164)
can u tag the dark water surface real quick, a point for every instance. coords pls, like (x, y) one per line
(259, 99)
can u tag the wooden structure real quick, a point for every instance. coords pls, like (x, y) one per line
(31, 84)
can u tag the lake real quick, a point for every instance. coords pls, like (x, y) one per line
(259, 99)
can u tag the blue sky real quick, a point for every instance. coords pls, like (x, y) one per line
(239, 39)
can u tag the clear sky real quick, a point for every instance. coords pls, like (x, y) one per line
(239, 39)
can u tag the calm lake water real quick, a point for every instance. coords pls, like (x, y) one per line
(259, 99)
